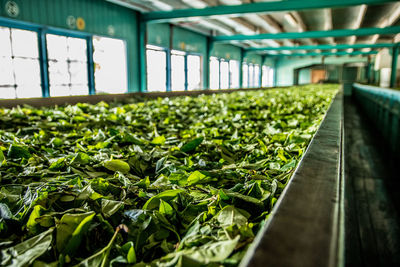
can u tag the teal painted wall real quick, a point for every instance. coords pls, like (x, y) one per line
(253, 58)
(285, 67)
(305, 76)
(158, 34)
(270, 62)
(226, 51)
(99, 17)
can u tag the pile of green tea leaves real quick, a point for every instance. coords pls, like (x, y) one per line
(186, 181)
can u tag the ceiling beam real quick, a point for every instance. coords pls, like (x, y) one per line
(314, 54)
(310, 34)
(322, 47)
(259, 7)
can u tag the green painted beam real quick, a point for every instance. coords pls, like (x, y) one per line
(209, 48)
(309, 34)
(141, 34)
(314, 54)
(260, 7)
(322, 47)
(395, 54)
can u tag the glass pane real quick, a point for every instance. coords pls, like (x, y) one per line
(59, 90)
(271, 77)
(256, 76)
(6, 71)
(177, 73)
(224, 75)
(24, 43)
(79, 90)
(264, 82)
(57, 73)
(245, 69)
(234, 70)
(251, 75)
(214, 73)
(57, 47)
(67, 65)
(77, 49)
(5, 42)
(111, 72)
(194, 72)
(78, 72)
(27, 71)
(156, 70)
(25, 91)
(7, 92)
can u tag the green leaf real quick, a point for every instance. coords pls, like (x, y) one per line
(167, 195)
(165, 208)
(159, 140)
(2, 158)
(129, 249)
(117, 165)
(109, 207)
(36, 213)
(192, 144)
(213, 252)
(18, 151)
(198, 177)
(70, 230)
(229, 215)
(25, 253)
(57, 164)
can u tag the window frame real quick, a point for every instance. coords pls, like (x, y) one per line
(167, 65)
(186, 69)
(41, 31)
(168, 71)
(220, 60)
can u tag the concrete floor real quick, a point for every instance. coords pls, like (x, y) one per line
(372, 194)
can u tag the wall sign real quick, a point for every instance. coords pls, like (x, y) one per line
(71, 22)
(111, 30)
(12, 9)
(80, 23)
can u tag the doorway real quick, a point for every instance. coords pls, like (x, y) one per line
(317, 76)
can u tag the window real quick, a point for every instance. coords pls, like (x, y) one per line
(224, 74)
(110, 66)
(194, 72)
(267, 76)
(68, 68)
(214, 73)
(245, 70)
(19, 64)
(177, 70)
(256, 76)
(234, 74)
(251, 75)
(156, 69)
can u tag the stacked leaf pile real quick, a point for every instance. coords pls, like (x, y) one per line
(187, 181)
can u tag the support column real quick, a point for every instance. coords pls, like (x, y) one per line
(44, 71)
(89, 45)
(206, 63)
(368, 71)
(275, 72)
(186, 73)
(243, 53)
(168, 59)
(263, 57)
(395, 53)
(142, 28)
